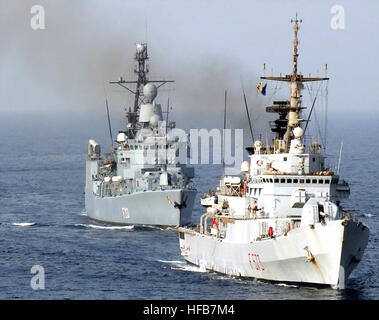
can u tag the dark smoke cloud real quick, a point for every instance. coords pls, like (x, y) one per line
(63, 70)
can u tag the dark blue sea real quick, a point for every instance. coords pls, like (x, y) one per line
(42, 222)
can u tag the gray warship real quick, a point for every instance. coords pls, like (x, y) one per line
(141, 181)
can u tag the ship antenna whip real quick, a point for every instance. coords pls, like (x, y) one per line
(248, 115)
(168, 108)
(339, 159)
(109, 120)
(223, 137)
(109, 124)
(309, 116)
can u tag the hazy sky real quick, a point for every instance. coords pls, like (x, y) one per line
(205, 46)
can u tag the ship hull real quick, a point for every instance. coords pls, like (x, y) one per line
(323, 255)
(143, 208)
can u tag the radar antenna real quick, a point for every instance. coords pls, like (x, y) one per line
(285, 125)
(142, 70)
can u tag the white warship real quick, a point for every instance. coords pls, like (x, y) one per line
(282, 219)
(141, 181)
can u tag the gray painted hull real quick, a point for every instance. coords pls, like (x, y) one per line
(142, 208)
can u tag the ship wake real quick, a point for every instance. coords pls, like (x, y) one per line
(93, 226)
(183, 266)
(23, 224)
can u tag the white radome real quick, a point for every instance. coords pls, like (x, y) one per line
(121, 137)
(258, 144)
(298, 132)
(150, 92)
(154, 119)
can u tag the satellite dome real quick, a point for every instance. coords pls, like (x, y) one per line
(298, 132)
(121, 137)
(154, 120)
(258, 144)
(150, 92)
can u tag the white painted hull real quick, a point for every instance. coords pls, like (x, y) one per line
(336, 250)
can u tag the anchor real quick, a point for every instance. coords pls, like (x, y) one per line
(181, 205)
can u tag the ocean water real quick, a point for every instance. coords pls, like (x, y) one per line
(42, 222)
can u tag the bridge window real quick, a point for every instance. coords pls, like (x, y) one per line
(308, 181)
(295, 180)
(301, 180)
(289, 180)
(282, 180)
(276, 180)
(314, 180)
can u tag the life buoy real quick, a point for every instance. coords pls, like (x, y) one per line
(259, 162)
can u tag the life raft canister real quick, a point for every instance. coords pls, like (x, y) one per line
(259, 162)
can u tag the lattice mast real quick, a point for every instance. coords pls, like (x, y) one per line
(142, 71)
(284, 126)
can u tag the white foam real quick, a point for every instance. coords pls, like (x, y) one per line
(190, 268)
(286, 285)
(104, 227)
(183, 266)
(23, 224)
(153, 227)
(368, 215)
(172, 262)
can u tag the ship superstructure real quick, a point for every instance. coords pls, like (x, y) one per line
(141, 181)
(282, 219)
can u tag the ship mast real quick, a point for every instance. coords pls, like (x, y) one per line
(142, 70)
(284, 126)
